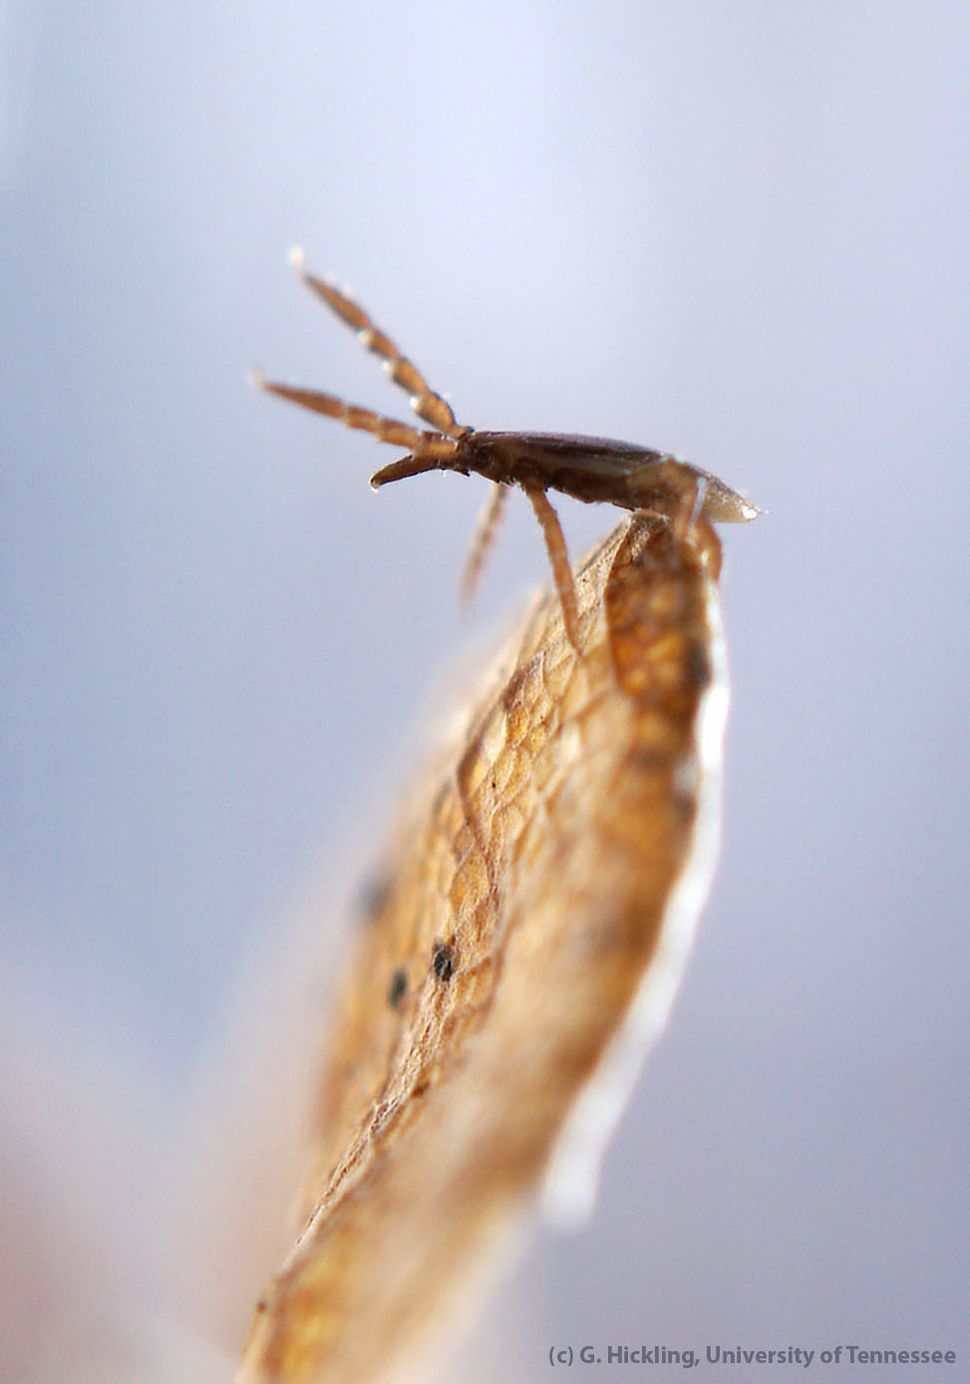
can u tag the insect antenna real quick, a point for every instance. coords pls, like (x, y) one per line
(426, 402)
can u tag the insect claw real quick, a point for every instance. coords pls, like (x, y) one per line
(297, 259)
(256, 377)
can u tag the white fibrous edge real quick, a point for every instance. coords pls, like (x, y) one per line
(571, 1179)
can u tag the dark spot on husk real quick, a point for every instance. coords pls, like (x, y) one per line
(443, 961)
(398, 988)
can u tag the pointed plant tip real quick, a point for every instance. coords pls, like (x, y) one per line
(256, 377)
(297, 259)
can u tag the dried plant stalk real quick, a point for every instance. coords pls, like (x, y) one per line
(538, 906)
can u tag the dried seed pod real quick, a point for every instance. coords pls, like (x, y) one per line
(538, 905)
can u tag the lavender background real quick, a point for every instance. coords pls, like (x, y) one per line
(737, 231)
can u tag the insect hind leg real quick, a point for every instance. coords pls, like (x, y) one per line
(426, 402)
(690, 508)
(670, 490)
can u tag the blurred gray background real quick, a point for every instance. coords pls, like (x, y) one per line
(735, 231)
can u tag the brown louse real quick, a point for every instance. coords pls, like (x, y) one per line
(591, 469)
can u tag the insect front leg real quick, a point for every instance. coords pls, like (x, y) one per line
(426, 402)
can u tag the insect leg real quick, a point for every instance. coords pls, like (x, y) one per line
(482, 540)
(427, 457)
(363, 419)
(425, 402)
(559, 557)
(691, 505)
(671, 490)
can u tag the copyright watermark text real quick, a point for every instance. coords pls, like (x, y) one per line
(800, 1357)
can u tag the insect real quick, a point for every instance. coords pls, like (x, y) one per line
(591, 469)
